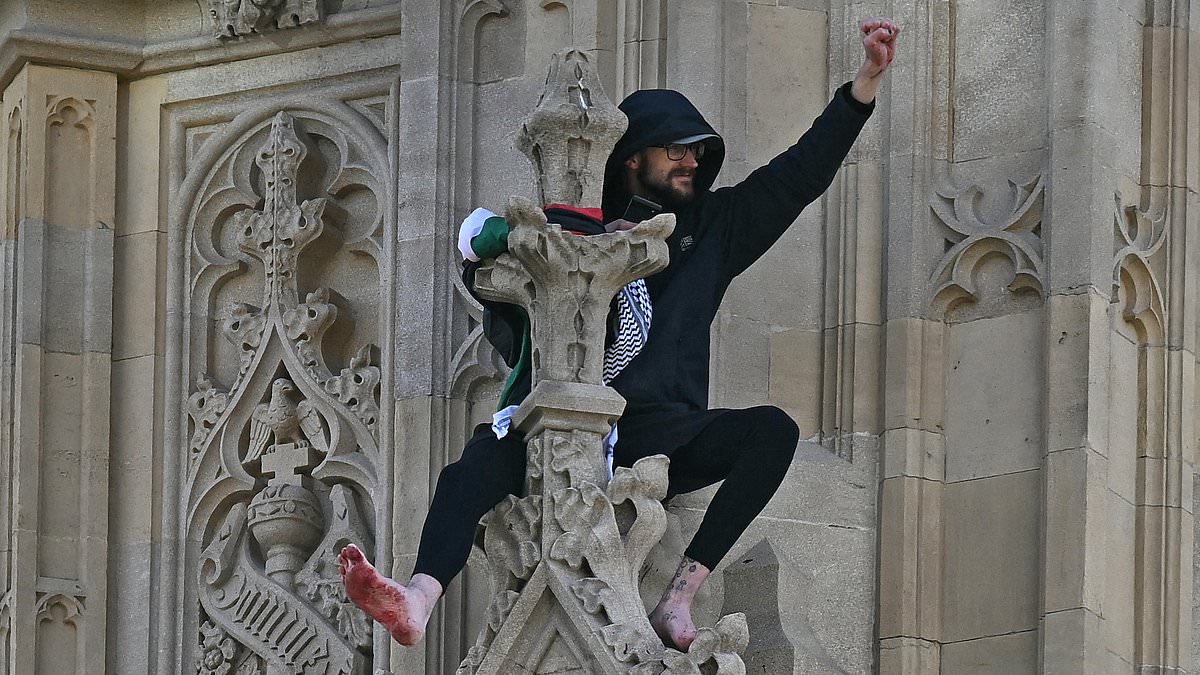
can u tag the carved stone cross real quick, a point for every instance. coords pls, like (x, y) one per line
(284, 461)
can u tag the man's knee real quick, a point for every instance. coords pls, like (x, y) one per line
(454, 476)
(778, 429)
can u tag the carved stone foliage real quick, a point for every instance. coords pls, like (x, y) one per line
(574, 580)
(235, 18)
(1139, 266)
(285, 232)
(971, 239)
(571, 281)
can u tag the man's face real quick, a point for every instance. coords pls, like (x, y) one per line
(653, 175)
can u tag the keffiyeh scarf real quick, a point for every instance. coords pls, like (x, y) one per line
(633, 327)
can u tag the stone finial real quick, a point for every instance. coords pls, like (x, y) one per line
(571, 133)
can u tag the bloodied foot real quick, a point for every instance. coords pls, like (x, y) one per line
(403, 610)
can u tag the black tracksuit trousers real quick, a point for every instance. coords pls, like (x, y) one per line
(749, 449)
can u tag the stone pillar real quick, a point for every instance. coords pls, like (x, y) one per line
(55, 365)
(1039, 398)
(1121, 344)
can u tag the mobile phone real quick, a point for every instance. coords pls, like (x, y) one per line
(640, 209)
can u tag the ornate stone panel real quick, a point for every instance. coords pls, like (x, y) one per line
(286, 220)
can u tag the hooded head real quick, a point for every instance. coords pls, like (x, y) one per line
(659, 117)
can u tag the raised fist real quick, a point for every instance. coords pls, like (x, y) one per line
(879, 43)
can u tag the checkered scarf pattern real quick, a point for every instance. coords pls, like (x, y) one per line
(633, 327)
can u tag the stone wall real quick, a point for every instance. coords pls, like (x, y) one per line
(228, 282)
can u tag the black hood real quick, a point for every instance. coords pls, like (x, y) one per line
(658, 117)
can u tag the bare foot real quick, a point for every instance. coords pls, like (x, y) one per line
(404, 611)
(672, 618)
(674, 625)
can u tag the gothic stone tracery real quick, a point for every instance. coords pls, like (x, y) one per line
(282, 464)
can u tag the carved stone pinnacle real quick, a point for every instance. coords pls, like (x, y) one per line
(570, 134)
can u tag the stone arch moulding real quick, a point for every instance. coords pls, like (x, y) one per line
(12, 169)
(474, 364)
(971, 239)
(469, 14)
(285, 219)
(1140, 236)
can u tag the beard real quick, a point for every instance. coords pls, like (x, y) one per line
(663, 190)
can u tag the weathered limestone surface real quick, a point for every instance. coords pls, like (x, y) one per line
(57, 342)
(985, 329)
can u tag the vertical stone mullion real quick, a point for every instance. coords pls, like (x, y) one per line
(10, 136)
(1164, 508)
(60, 322)
(911, 521)
(1077, 465)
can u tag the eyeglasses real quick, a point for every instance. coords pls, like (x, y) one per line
(677, 151)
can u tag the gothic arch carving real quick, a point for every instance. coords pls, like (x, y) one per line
(1140, 236)
(47, 603)
(285, 214)
(81, 112)
(12, 177)
(475, 364)
(6, 603)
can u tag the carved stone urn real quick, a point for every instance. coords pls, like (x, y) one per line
(286, 522)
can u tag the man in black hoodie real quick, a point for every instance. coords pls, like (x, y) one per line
(671, 155)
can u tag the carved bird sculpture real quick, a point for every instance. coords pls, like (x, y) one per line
(285, 420)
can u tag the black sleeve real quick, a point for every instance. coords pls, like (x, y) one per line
(761, 208)
(503, 324)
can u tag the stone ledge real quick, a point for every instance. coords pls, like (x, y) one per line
(132, 60)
